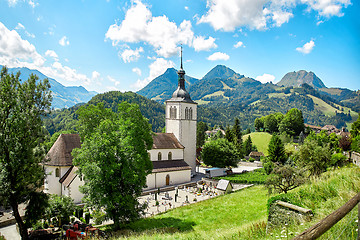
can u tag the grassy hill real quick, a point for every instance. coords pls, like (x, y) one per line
(260, 140)
(243, 214)
(206, 220)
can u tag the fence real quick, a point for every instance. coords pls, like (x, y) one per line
(325, 224)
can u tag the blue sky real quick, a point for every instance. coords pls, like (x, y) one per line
(108, 45)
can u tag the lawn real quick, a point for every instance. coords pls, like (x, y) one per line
(257, 176)
(260, 140)
(223, 217)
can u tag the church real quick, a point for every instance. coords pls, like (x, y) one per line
(173, 153)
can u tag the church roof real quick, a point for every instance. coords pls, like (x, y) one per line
(69, 176)
(166, 141)
(169, 165)
(60, 153)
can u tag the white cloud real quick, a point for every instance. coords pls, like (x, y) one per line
(230, 14)
(265, 78)
(165, 36)
(202, 44)
(307, 48)
(218, 56)
(32, 3)
(239, 44)
(19, 26)
(130, 55)
(157, 68)
(64, 41)
(137, 71)
(327, 8)
(52, 53)
(186, 8)
(116, 83)
(12, 2)
(95, 75)
(262, 14)
(16, 52)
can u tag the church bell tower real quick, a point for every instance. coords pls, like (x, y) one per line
(180, 119)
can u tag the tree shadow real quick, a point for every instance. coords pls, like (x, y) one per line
(153, 225)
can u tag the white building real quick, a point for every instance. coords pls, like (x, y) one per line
(173, 153)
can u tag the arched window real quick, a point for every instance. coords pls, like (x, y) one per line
(57, 172)
(159, 156)
(169, 156)
(172, 112)
(190, 113)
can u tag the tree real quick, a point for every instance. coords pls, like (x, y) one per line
(345, 143)
(22, 103)
(314, 157)
(113, 159)
(220, 153)
(259, 124)
(229, 134)
(200, 133)
(276, 150)
(61, 207)
(270, 124)
(284, 179)
(355, 128)
(237, 136)
(292, 123)
(248, 147)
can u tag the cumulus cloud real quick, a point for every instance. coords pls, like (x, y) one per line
(95, 75)
(265, 78)
(130, 55)
(159, 32)
(239, 44)
(262, 14)
(137, 71)
(139, 25)
(16, 52)
(218, 56)
(307, 48)
(157, 68)
(202, 44)
(52, 53)
(64, 41)
(327, 8)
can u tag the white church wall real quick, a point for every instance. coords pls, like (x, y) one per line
(177, 154)
(73, 190)
(158, 180)
(52, 184)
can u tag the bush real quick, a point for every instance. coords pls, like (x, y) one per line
(257, 176)
(251, 159)
(98, 216)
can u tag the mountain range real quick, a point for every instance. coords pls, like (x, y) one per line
(63, 97)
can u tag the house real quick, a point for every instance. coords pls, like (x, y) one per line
(224, 186)
(173, 153)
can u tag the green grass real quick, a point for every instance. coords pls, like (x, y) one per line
(224, 217)
(329, 110)
(257, 176)
(260, 140)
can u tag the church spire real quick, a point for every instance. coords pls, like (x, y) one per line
(181, 73)
(181, 66)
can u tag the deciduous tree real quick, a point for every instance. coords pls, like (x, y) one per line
(292, 123)
(284, 179)
(113, 159)
(22, 103)
(220, 153)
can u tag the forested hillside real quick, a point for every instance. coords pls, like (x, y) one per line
(66, 119)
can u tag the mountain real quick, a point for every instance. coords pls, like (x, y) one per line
(296, 79)
(63, 97)
(161, 88)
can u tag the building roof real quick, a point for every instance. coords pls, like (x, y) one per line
(256, 154)
(60, 153)
(169, 165)
(69, 176)
(223, 184)
(166, 141)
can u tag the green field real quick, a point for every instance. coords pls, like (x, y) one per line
(258, 176)
(228, 216)
(260, 140)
